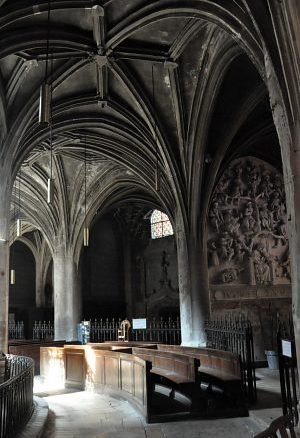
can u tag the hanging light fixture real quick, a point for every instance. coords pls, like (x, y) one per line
(85, 228)
(19, 221)
(157, 170)
(12, 271)
(45, 94)
(45, 108)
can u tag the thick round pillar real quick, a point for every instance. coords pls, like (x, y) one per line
(39, 287)
(193, 290)
(67, 299)
(4, 261)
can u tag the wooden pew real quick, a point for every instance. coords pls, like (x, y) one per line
(219, 368)
(87, 367)
(164, 385)
(31, 348)
(177, 371)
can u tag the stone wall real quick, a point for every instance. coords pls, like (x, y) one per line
(156, 278)
(248, 248)
(102, 272)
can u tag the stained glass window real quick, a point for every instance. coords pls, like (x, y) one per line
(160, 225)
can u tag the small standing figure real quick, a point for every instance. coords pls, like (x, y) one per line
(261, 263)
(249, 222)
(215, 217)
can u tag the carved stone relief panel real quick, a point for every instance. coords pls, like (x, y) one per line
(247, 238)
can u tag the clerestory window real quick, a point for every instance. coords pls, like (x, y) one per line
(160, 225)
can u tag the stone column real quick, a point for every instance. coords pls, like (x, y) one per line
(39, 286)
(4, 260)
(193, 289)
(67, 297)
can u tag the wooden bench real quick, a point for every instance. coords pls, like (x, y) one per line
(176, 370)
(278, 429)
(217, 368)
(86, 367)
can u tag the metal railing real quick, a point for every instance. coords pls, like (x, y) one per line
(43, 330)
(158, 330)
(288, 370)
(16, 395)
(235, 335)
(16, 330)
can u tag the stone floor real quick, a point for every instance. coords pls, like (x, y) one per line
(83, 414)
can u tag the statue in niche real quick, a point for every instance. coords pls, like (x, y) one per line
(215, 216)
(225, 250)
(248, 221)
(261, 262)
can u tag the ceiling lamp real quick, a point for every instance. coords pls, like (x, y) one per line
(19, 221)
(157, 170)
(45, 108)
(12, 271)
(45, 92)
(85, 228)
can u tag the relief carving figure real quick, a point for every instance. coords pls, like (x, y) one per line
(261, 262)
(249, 222)
(254, 182)
(239, 251)
(215, 217)
(266, 217)
(280, 233)
(222, 190)
(231, 223)
(225, 250)
(247, 234)
(213, 253)
(267, 187)
(276, 206)
(238, 186)
(231, 274)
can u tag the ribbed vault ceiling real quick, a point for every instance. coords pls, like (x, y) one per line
(132, 80)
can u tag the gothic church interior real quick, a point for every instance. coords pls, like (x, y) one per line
(125, 120)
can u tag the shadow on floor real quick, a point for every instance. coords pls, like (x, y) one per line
(266, 400)
(50, 428)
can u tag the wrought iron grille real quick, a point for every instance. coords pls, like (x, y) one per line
(16, 330)
(43, 330)
(16, 395)
(158, 330)
(288, 370)
(235, 335)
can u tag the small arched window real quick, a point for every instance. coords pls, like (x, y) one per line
(160, 225)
